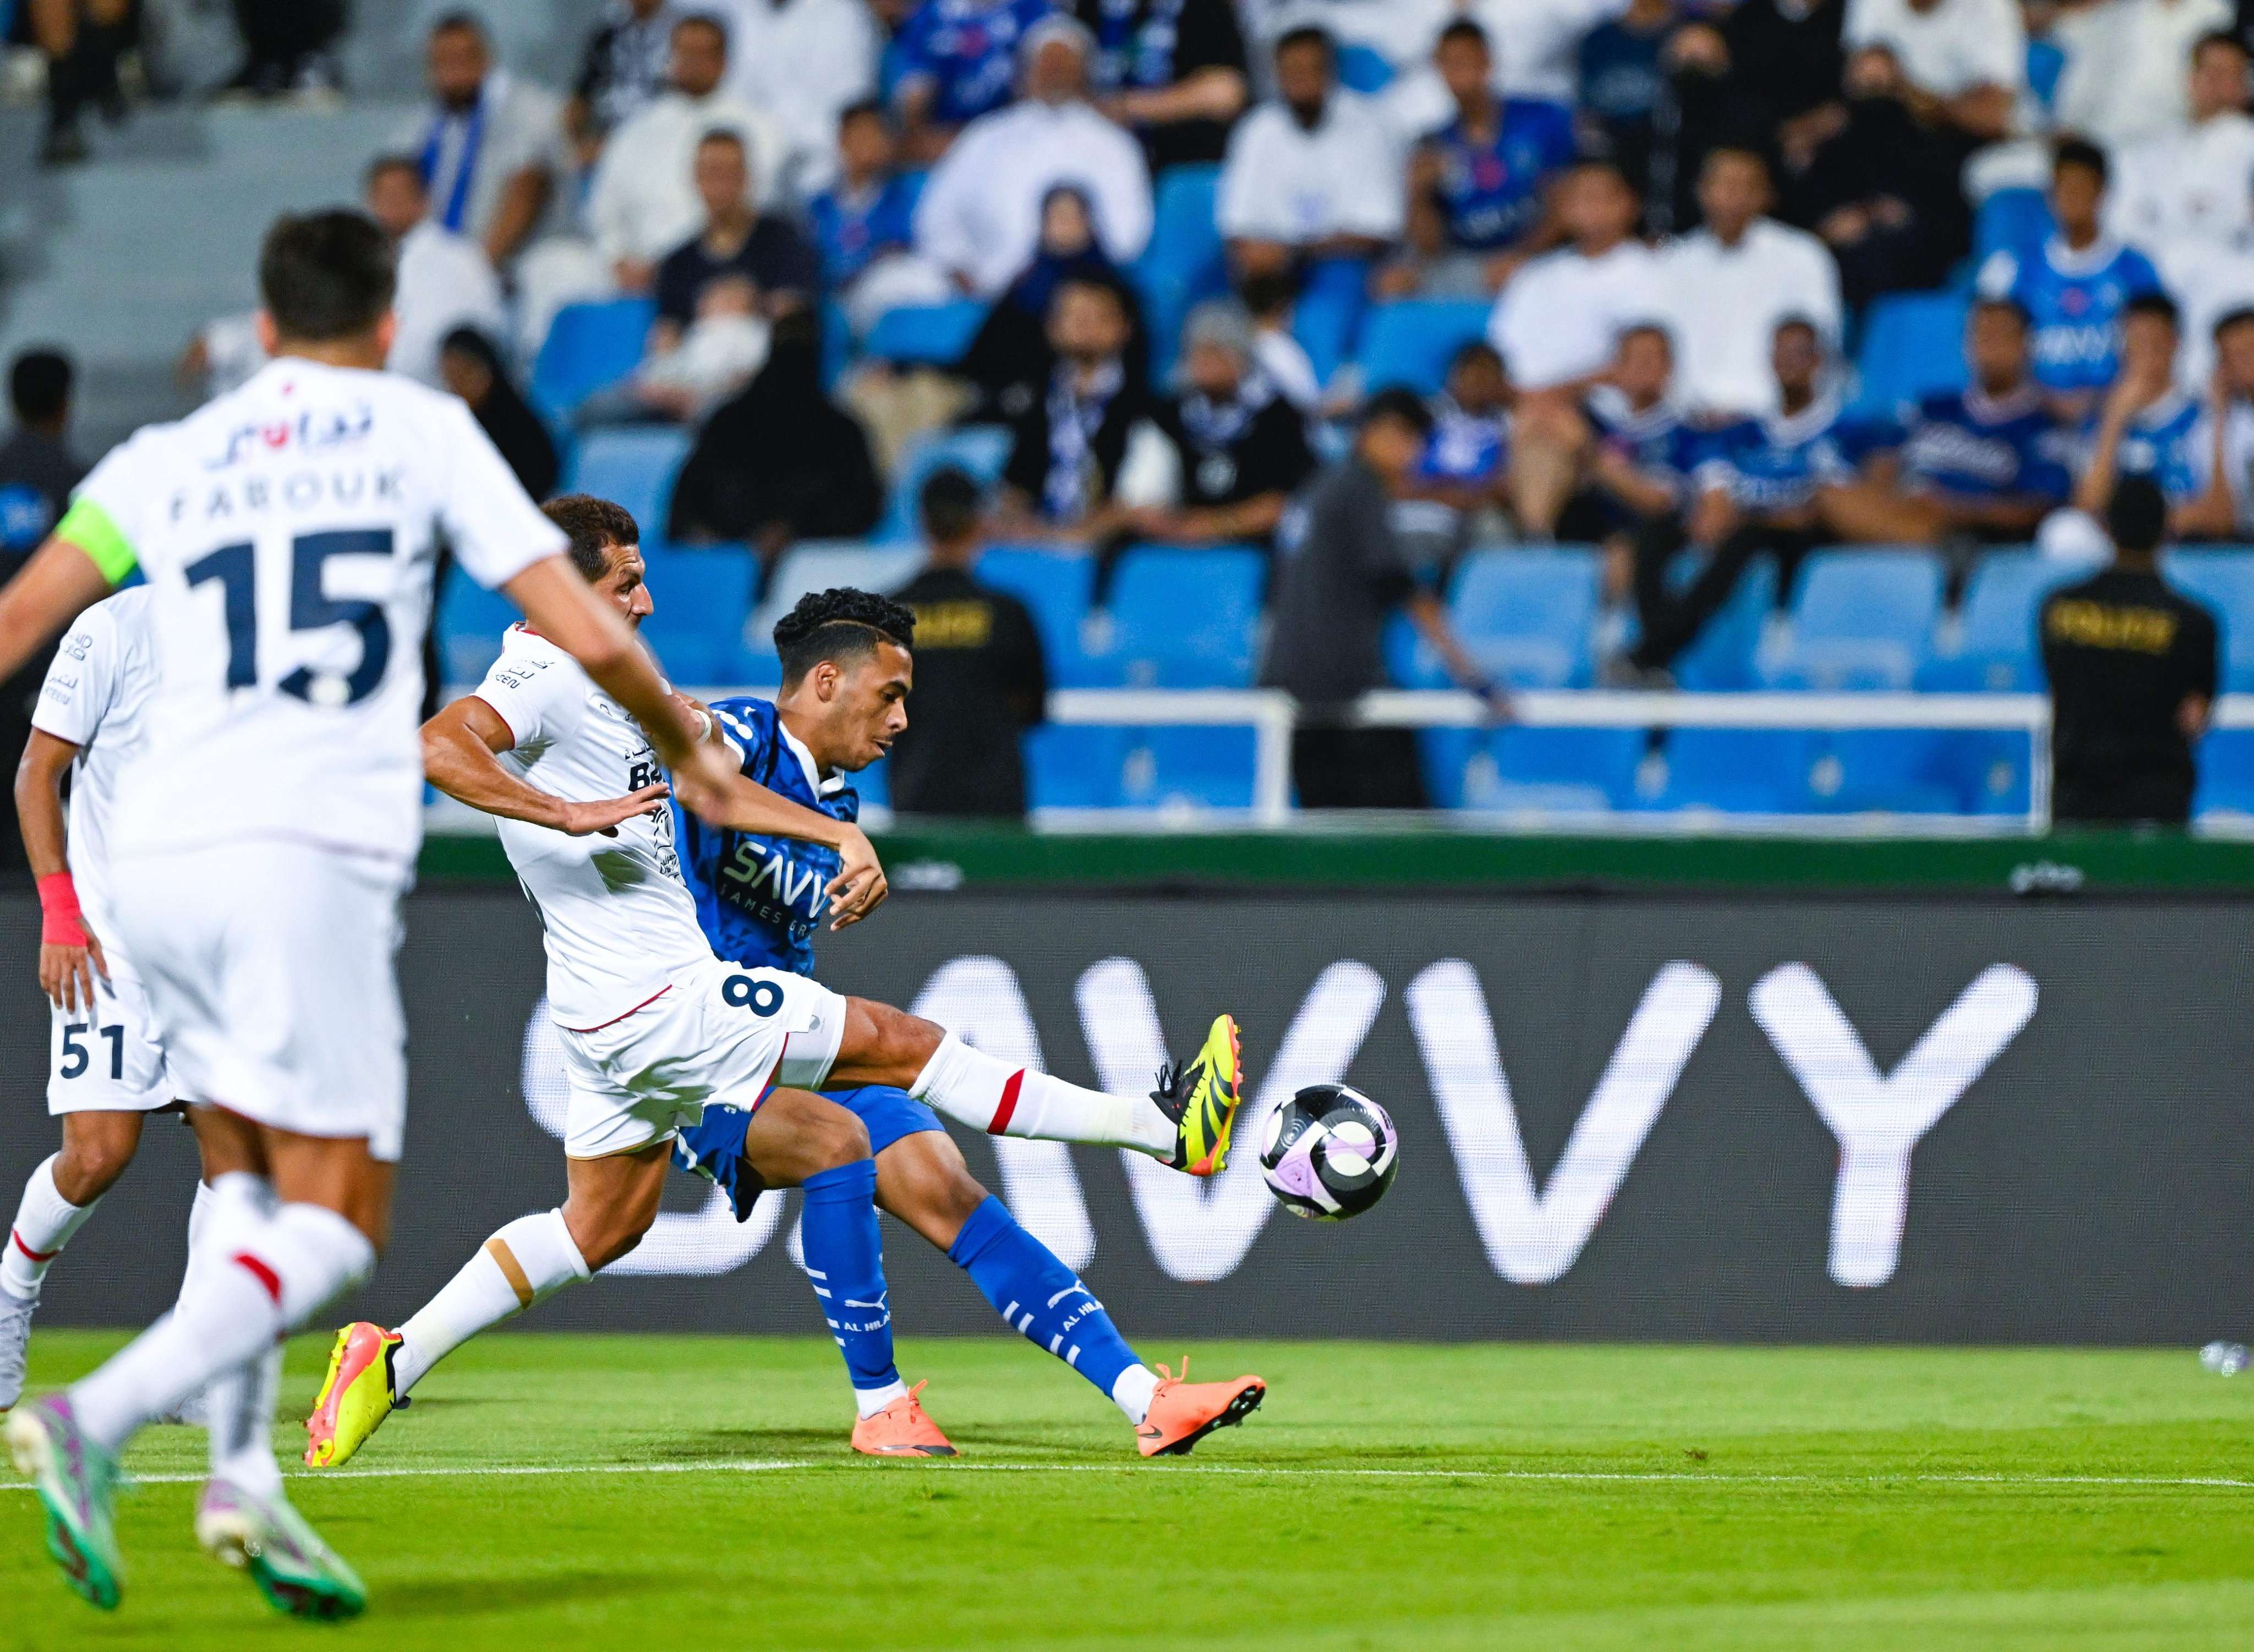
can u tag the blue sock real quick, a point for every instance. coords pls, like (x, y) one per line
(846, 1263)
(1040, 1298)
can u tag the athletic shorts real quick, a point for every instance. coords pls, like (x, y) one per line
(722, 1034)
(106, 1057)
(268, 964)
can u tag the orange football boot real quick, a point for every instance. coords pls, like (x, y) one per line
(902, 1430)
(1183, 1412)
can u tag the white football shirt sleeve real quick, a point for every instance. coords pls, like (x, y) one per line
(494, 528)
(540, 699)
(81, 681)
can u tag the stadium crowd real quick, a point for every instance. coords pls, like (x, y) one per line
(1657, 228)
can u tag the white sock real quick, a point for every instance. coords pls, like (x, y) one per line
(239, 1410)
(232, 1197)
(526, 1263)
(45, 1223)
(1133, 1392)
(986, 1094)
(261, 1277)
(199, 1215)
(869, 1401)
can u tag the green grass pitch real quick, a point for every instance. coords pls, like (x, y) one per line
(577, 1493)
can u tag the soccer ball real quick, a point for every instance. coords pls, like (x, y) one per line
(1330, 1153)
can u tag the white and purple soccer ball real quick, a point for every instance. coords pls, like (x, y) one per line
(1330, 1154)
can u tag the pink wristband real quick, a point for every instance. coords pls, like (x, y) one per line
(61, 923)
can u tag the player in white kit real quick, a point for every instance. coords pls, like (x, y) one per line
(260, 844)
(108, 1071)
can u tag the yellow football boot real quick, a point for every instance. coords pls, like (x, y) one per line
(355, 1398)
(1201, 1099)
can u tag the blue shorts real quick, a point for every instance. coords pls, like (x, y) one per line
(713, 1147)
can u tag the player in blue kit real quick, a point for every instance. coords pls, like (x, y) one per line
(758, 899)
(2076, 287)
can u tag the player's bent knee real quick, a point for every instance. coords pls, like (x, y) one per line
(841, 1140)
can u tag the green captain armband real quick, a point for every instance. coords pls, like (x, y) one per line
(88, 526)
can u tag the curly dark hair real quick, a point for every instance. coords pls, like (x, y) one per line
(837, 624)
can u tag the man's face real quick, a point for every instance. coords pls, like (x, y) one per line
(622, 585)
(2218, 80)
(1643, 367)
(2148, 348)
(458, 66)
(2234, 354)
(1466, 67)
(1795, 359)
(1998, 348)
(1303, 75)
(2076, 192)
(1392, 447)
(395, 201)
(1214, 370)
(1476, 384)
(1056, 74)
(700, 58)
(1733, 192)
(1596, 205)
(1085, 324)
(864, 144)
(867, 705)
(723, 180)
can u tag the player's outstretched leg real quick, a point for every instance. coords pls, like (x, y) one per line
(59, 1199)
(1185, 1122)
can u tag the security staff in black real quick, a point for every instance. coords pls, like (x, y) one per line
(980, 677)
(2132, 673)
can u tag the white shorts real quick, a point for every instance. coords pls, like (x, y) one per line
(723, 1034)
(268, 964)
(106, 1057)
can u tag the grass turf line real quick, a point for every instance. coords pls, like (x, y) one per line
(1529, 1496)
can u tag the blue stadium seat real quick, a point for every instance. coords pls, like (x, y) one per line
(1055, 586)
(2225, 581)
(1735, 771)
(1174, 768)
(1182, 619)
(1863, 619)
(1552, 770)
(1409, 341)
(1996, 650)
(1525, 615)
(634, 465)
(1184, 262)
(2015, 220)
(470, 621)
(588, 347)
(980, 450)
(1069, 767)
(1913, 346)
(936, 333)
(818, 566)
(1333, 295)
(703, 598)
(1721, 658)
(1363, 68)
(1897, 771)
(2226, 773)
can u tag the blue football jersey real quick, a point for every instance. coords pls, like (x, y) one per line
(2074, 301)
(1656, 441)
(759, 899)
(2158, 443)
(1490, 193)
(1777, 462)
(851, 234)
(968, 50)
(1463, 447)
(1973, 445)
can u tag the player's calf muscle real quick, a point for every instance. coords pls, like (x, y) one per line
(922, 1181)
(796, 1134)
(96, 1149)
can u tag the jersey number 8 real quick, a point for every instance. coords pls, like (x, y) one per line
(765, 998)
(311, 609)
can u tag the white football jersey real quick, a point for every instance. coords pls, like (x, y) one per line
(289, 530)
(619, 924)
(96, 695)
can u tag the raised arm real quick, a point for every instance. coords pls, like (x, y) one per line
(69, 957)
(461, 747)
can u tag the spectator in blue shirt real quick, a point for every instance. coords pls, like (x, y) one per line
(1479, 187)
(1754, 490)
(1980, 465)
(958, 61)
(864, 223)
(1461, 488)
(2144, 427)
(2075, 287)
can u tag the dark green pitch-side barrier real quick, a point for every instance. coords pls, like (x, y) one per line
(2065, 862)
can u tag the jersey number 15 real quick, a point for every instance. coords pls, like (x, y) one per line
(235, 567)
